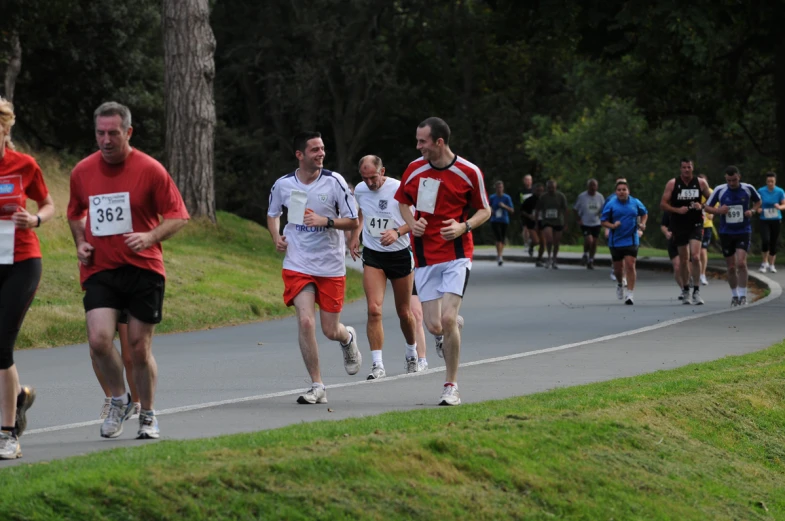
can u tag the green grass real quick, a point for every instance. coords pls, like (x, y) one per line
(217, 275)
(696, 443)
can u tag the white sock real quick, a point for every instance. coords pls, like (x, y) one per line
(742, 292)
(123, 398)
(317, 385)
(411, 350)
(377, 357)
(734, 292)
(351, 337)
(422, 360)
(629, 295)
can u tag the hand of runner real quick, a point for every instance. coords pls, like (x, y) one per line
(281, 244)
(723, 209)
(389, 237)
(419, 227)
(138, 241)
(84, 252)
(681, 210)
(696, 206)
(354, 249)
(452, 230)
(748, 213)
(24, 219)
(311, 218)
(616, 224)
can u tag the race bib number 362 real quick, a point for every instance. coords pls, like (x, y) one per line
(110, 214)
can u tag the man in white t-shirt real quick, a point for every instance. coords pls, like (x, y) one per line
(319, 207)
(386, 255)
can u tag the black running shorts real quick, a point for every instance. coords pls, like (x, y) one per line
(395, 264)
(139, 291)
(618, 254)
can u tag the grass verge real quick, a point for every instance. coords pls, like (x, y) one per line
(217, 275)
(696, 443)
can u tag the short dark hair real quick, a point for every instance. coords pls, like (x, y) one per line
(685, 160)
(732, 170)
(771, 174)
(619, 183)
(301, 140)
(439, 129)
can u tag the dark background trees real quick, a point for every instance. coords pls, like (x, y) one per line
(557, 88)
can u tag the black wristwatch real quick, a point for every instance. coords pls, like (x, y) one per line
(330, 223)
(396, 231)
(468, 227)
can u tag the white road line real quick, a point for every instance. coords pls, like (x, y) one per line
(775, 293)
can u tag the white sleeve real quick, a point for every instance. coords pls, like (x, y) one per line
(346, 202)
(275, 206)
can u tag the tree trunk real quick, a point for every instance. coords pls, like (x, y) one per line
(779, 93)
(14, 66)
(189, 71)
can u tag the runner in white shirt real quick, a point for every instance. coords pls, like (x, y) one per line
(386, 255)
(319, 207)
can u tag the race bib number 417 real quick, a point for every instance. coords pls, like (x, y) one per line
(110, 214)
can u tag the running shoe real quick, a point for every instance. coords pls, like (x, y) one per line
(554, 266)
(410, 365)
(501, 262)
(584, 260)
(450, 396)
(531, 250)
(24, 401)
(9, 446)
(772, 269)
(681, 296)
(764, 267)
(352, 358)
(422, 365)
(628, 301)
(696, 297)
(539, 264)
(459, 321)
(619, 292)
(377, 371)
(624, 282)
(118, 413)
(137, 410)
(105, 409)
(734, 302)
(704, 280)
(613, 276)
(440, 345)
(685, 297)
(742, 301)
(148, 426)
(313, 395)
(590, 265)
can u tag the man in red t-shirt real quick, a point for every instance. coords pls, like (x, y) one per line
(441, 186)
(117, 196)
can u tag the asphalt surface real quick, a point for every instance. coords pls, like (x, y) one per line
(527, 330)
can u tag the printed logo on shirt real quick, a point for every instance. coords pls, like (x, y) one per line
(6, 188)
(309, 229)
(323, 198)
(382, 204)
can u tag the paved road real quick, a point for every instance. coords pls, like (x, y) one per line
(521, 324)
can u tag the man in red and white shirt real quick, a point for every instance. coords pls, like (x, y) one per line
(441, 186)
(117, 196)
(319, 207)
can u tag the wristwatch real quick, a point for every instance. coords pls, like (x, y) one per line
(396, 231)
(468, 227)
(330, 223)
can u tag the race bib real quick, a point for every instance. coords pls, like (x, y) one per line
(376, 226)
(298, 200)
(771, 213)
(7, 233)
(499, 213)
(735, 214)
(110, 214)
(552, 213)
(594, 207)
(426, 195)
(689, 193)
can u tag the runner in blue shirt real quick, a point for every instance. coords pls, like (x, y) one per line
(501, 208)
(620, 216)
(773, 198)
(737, 202)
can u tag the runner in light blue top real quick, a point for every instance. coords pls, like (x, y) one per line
(501, 208)
(773, 198)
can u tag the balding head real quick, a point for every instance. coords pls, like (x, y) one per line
(372, 171)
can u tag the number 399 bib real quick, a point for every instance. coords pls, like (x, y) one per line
(110, 214)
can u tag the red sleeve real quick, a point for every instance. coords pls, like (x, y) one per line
(76, 207)
(37, 190)
(479, 195)
(168, 201)
(401, 196)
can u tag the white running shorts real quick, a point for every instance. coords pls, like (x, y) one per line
(448, 277)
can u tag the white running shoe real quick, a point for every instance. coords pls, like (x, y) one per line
(628, 301)
(313, 395)
(450, 396)
(137, 410)
(763, 267)
(696, 298)
(685, 297)
(624, 282)
(619, 292)
(440, 345)
(613, 277)
(459, 320)
(734, 302)
(410, 364)
(772, 269)
(105, 409)
(9, 446)
(742, 301)
(377, 371)
(148, 426)
(422, 365)
(118, 413)
(704, 280)
(352, 358)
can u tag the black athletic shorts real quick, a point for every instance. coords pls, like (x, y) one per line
(499, 231)
(554, 227)
(683, 236)
(706, 241)
(138, 291)
(594, 231)
(529, 224)
(731, 243)
(618, 254)
(673, 251)
(395, 264)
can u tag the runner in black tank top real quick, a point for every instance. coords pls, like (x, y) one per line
(681, 199)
